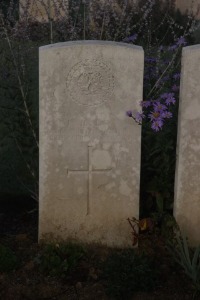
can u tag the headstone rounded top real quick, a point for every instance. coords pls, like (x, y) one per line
(91, 42)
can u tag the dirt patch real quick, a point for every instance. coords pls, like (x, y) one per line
(18, 231)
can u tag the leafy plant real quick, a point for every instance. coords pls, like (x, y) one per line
(60, 259)
(128, 272)
(8, 260)
(187, 258)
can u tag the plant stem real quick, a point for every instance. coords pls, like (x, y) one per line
(20, 82)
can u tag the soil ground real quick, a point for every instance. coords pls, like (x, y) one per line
(18, 230)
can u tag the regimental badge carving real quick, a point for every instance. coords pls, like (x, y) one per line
(90, 82)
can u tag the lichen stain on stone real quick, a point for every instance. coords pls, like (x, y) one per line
(103, 127)
(103, 114)
(101, 159)
(80, 190)
(124, 188)
(110, 186)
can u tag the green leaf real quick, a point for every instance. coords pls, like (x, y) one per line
(160, 203)
(186, 249)
(181, 253)
(196, 257)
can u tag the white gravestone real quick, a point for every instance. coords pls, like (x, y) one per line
(89, 148)
(187, 183)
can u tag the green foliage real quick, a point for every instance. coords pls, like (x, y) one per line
(166, 224)
(196, 34)
(18, 150)
(158, 169)
(128, 272)
(60, 259)
(188, 258)
(157, 24)
(4, 7)
(8, 260)
(159, 149)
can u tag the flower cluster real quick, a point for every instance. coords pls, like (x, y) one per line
(155, 111)
(159, 111)
(137, 116)
(161, 84)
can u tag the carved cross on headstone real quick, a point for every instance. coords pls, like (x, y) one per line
(90, 172)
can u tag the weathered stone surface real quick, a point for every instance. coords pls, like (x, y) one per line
(43, 10)
(89, 149)
(189, 7)
(187, 185)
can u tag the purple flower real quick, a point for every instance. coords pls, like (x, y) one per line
(151, 59)
(170, 99)
(129, 113)
(158, 113)
(146, 103)
(166, 115)
(173, 47)
(175, 88)
(157, 125)
(138, 116)
(166, 95)
(181, 41)
(166, 61)
(158, 107)
(155, 115)
(147, 77)
(131, 38)
(176, 76)
(161, 48)
(164, 78)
